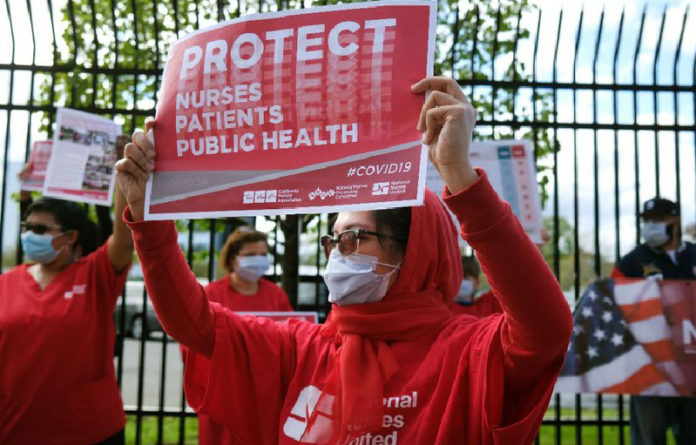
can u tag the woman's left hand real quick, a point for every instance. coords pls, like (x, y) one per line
(447, 121)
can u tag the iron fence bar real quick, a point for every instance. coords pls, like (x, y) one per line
(595, 162)
(95, 48)
(182, 412)
(157, 49)
(576, 219)
(27, 147)
(617, 231)
(636, 151)
(52, 96)
(675, 98)
(494, 53)
(556, 222)
(71, 74)
(656, 57)
(3, 190)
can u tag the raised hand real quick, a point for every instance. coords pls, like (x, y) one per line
(447, 122)
(133, 171)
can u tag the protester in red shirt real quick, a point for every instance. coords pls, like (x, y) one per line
(245, 257)
(392, 364)
(57, 381)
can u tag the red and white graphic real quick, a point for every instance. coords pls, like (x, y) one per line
(297, 422)
(294, 112)
(38, 163)
(81, 166)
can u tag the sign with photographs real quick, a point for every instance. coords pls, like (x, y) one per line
(81, 167)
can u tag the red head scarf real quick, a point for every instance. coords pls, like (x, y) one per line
(417, 303)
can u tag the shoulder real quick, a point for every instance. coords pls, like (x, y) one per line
(221, 283)
(17, 272)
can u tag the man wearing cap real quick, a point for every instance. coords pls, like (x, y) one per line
(663, 255)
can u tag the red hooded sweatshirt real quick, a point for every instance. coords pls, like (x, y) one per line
(453, 380)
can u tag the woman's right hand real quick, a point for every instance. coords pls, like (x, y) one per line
(133, 171)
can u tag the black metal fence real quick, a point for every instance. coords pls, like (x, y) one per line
(607, 95)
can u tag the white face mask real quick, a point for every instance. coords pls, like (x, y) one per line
(466, 292)
(656, 233)
(251, 268)
(351, 279)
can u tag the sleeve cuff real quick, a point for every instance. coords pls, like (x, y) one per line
(478, 206)
(150, 235)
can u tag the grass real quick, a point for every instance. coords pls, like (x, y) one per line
(170, 430)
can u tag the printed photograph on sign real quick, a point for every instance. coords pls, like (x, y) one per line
(33, 181)
(81, 167)
(294, 112)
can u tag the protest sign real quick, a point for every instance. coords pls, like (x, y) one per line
(38, 162)
(312, 317)
(510, 167)
(633, 336)
(294, 112)
(81, 167)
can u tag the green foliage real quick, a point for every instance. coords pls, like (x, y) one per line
(475, 40)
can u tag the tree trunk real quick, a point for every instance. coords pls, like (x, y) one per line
(291, 257)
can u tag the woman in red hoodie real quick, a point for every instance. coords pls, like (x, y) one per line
(392, 364)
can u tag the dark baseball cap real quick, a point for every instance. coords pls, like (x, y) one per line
(659, 207)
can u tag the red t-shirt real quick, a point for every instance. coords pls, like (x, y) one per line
(484, 305)
(57, 381)
(473, 381)
(269, 297)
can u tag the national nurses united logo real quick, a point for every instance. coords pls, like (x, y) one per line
(297, 424)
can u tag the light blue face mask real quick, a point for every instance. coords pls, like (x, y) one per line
(351, 279)
(656, 233)
(39, 248)
(466, 292)
(251, 268)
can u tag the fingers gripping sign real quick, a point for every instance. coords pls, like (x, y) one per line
(133, 171)
(447, 122)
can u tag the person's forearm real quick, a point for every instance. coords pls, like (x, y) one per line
(120, 248)
(536, 312)
(179, 300)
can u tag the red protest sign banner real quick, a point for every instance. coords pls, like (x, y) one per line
(38, 163)
(294, 112)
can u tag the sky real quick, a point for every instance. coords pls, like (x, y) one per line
(569, 106)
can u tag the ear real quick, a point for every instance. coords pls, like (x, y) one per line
(72, 236)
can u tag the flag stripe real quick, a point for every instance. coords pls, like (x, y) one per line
(613, 373)
(646, 377)
(661, 351)
(650, 330)
(635, 292)
(641, 311)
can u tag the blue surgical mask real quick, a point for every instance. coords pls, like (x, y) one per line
(656, 233)
(251, 268)
(39, 248)
(351, 279)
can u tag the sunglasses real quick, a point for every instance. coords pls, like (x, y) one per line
(347, 241)
(39, 229)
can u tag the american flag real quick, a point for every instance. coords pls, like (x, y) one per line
(628, 338)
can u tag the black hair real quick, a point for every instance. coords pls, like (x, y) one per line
(397, 224)
(69, 216)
